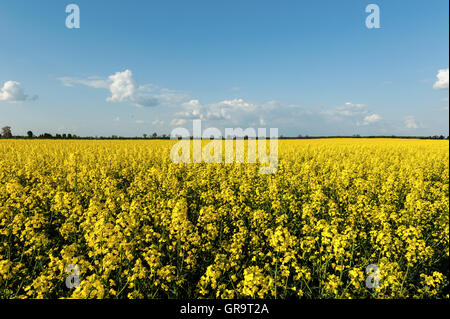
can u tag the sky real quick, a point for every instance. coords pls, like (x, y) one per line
(305, 67)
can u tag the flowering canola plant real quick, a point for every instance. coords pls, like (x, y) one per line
(140, 226)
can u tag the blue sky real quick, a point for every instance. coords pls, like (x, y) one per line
(305, 67)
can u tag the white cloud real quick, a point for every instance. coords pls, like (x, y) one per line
(12, 91)
(410, 122)
(290, 119)
(192, 104)
(348, 109)
(228, 109)
(140, 121)
(352, 114)
(117, 119)
(178, 122)
(442, 80)
(92, 81)
(123, 88)
(218, 113)
(158, 122)
(370, 119)
(238, 104)
(223, 110)
(192, 110)
(355, 105)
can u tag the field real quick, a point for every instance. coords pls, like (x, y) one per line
(139, 226)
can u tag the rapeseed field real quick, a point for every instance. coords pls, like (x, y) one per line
(137, 225)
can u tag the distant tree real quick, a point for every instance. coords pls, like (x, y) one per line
(47, 135)
(58, 136)
(69, 135)
(145, 135)
(155, 135)
(30, 134)
(64, 135)
(6, 131)
(164, 136)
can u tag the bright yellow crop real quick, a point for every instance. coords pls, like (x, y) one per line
(139, 226)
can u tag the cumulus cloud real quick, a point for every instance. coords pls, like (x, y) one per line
(288, 117)
(237, 104)
(442, 80)
(228, 110)
(410, 122)
(347, 110)
(351, 114)
(123, 88)
(158, 122)
(370, 119)
(12, 91)
(192, 110)
(238, 112)
(178, 122)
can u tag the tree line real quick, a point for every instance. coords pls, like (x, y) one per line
(6, 133)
